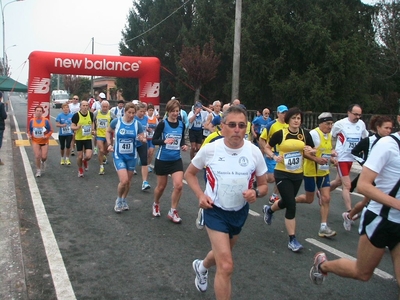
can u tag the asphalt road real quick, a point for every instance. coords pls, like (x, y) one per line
(75, 246)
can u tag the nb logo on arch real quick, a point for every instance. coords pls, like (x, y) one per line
(150, 90)
(40, 85)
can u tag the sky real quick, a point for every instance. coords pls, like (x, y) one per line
(63, 26)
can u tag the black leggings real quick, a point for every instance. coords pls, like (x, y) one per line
(65, 141)
(288, 188)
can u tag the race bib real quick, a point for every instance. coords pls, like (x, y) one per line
(230, 191)
(66, 130)
(325, 167)
(125, 146)
(351, 143)
(293, 160)
(176, 144)
(39, 132)
(102, 123)
(86, 130)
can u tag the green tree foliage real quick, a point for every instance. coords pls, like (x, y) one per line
(315, 54)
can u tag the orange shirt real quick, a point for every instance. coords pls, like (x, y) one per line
(40, 130)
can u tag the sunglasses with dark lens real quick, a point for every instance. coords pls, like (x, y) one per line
(233, 125)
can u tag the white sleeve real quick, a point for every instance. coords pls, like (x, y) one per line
(203, 156)
(261, 167)
(315, 137)
(337, 127)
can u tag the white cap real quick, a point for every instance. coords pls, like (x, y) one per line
(102, 96)
(135, 101)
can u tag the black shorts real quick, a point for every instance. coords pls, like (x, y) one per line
(196, 136)
(65, 141)
(165, 167)
(80, 144)
(380, 231)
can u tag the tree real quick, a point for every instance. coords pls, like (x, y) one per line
(199, 65)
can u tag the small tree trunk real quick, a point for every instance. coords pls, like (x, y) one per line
(197, 94)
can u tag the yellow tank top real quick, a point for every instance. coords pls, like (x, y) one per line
(311, 168)
(102, 122)
(85, 132)
(266, 134)
(292, 152)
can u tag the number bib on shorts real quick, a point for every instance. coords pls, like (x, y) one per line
(125, 146)
(293, 160)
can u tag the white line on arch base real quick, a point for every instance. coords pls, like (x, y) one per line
(341, 254)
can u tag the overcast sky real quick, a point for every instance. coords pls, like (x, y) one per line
(63, 26)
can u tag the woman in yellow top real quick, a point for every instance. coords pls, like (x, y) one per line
(294, 144)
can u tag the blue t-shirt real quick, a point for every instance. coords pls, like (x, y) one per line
(63, 118)
(260, 123)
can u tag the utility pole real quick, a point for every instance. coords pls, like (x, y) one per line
(236, 51)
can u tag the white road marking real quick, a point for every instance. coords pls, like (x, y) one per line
(353, 193)
(341, 254)
(59, 273)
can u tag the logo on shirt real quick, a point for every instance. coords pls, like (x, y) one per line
(221, 158)
(243, 161)
(122, 131)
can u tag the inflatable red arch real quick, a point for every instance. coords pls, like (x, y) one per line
(42, 64)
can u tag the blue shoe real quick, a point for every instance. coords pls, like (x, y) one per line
(294, 245)
(267, 216)
(149, 169)
(145, 186)
(118, 207)
(124, 205)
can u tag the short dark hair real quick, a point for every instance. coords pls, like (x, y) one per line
(292, 112)
(351, 106)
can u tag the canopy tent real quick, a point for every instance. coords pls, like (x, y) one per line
(7, 84)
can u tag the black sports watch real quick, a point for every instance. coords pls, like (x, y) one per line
(257, 192)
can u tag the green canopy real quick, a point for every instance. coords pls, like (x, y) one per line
(7, 84)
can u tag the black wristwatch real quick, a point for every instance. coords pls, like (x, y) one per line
(257, 192)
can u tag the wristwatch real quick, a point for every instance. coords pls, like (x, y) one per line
(257, 192)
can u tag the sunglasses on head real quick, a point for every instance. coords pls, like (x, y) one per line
(241, 125)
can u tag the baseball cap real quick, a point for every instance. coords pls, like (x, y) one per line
(324, 117)
(282, 108)
(102, 96)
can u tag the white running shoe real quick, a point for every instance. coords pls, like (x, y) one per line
(346, 221)
(174, 217)
(201, 278)
(156, 210)
(316, 274)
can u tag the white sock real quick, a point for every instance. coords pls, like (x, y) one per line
(323, 225)
(202, 269)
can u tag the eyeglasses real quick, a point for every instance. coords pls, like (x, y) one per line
(356, 114)
(75, 98)
(233, 125)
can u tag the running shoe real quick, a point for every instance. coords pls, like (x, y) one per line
(346, 221)
(325, 231)
(174, 217)
(145, 186)
(118, 207)
(101, 172)
(125, 205)
(294, 245)
(316, 274)
(85, 164)
(72, 152)
(273, 199)
(134, 172)
(201, 278)
(200, 219)
(80, 172)
(156, 210)
(95, 151)
(267, 215)
(38, 173)
(105, 161)
(67, 162)
(149, 169)
(62, 162)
